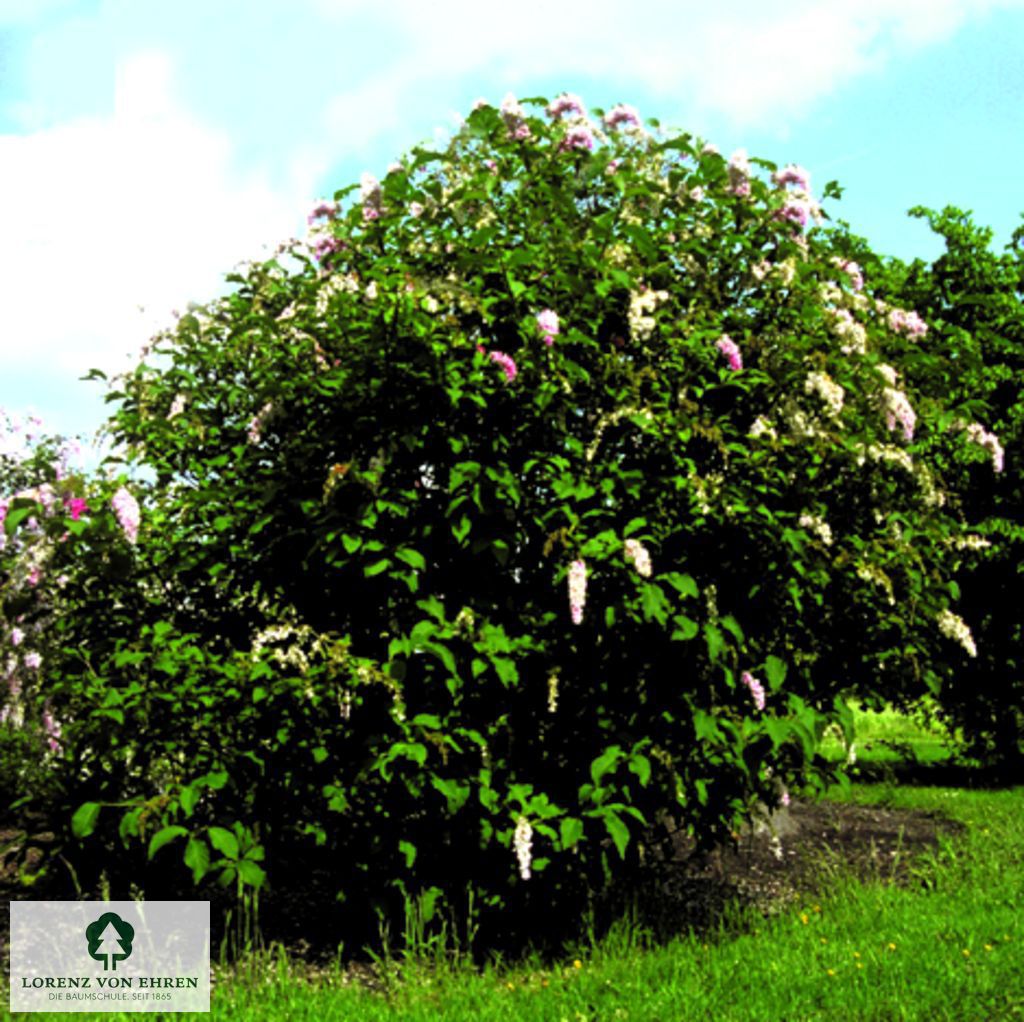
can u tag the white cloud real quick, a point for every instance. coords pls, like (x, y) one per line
(100, 216)
(747, 59)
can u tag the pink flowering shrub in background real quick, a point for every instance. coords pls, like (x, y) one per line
(957, 326)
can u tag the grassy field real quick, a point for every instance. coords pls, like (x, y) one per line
(949, 945)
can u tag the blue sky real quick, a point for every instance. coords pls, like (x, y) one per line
(146, 148)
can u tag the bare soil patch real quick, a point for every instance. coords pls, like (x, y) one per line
(768, 869)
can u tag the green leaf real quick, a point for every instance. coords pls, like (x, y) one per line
(16, 517)
(224, 841)
(731, 625)
(605, 763)
(413, 558)
(570, 830)
(618, 831)
(377, 567)
(129, 825)
(634, 525)
(83, 823)
(682, 584)
(775, 669)
(163, 837)
(655, 603)
(714, 639)
(640, 765)
(188, 798)
(705, 726)
(251, 874)
(197, 858)
(686, 628)
(455, 793)
(409, 850)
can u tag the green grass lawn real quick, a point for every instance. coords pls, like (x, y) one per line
(885, 736)
(949, 946)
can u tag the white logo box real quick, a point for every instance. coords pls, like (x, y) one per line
(110, 956)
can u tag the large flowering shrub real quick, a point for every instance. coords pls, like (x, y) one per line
(548, 497)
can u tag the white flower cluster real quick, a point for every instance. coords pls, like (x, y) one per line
(932, 496)
(830, 392)
(818, 526)
(707, 490)
(610, 419)
(955, 628)
(290, 656)
(523, 841)
(762, 427)
(874, 575)
(638, 554)
(642, 305)
(553, 692)
(970, 542)
(887, 372)
(888, 453)
(799, 423)
(853, 336)
(332, 285)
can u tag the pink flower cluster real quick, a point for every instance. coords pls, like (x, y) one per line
(739, 173)
(126, 508)
(797, 209)
(321, 240)
(514, 117)
(76, 506)
(372, 196)
(909, 323)
(579, 136)
(547, 322)
(755, 687)
(577, 590)
(793, 175)
(853, 271)
(730, 349)
(898, 410)
(507, 364)
(322, 209)
(622, 114)
(52, 728)
(324, 243)
(990, 442)
(567, 103)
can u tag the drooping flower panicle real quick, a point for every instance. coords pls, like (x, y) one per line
(638, 554)
(755, 687)
(523, 843)
(507, 364)
(577, 590)
(548, 324)
(730, 349)
(977, 434)
(126, 508)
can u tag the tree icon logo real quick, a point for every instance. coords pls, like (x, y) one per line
(110, 939)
